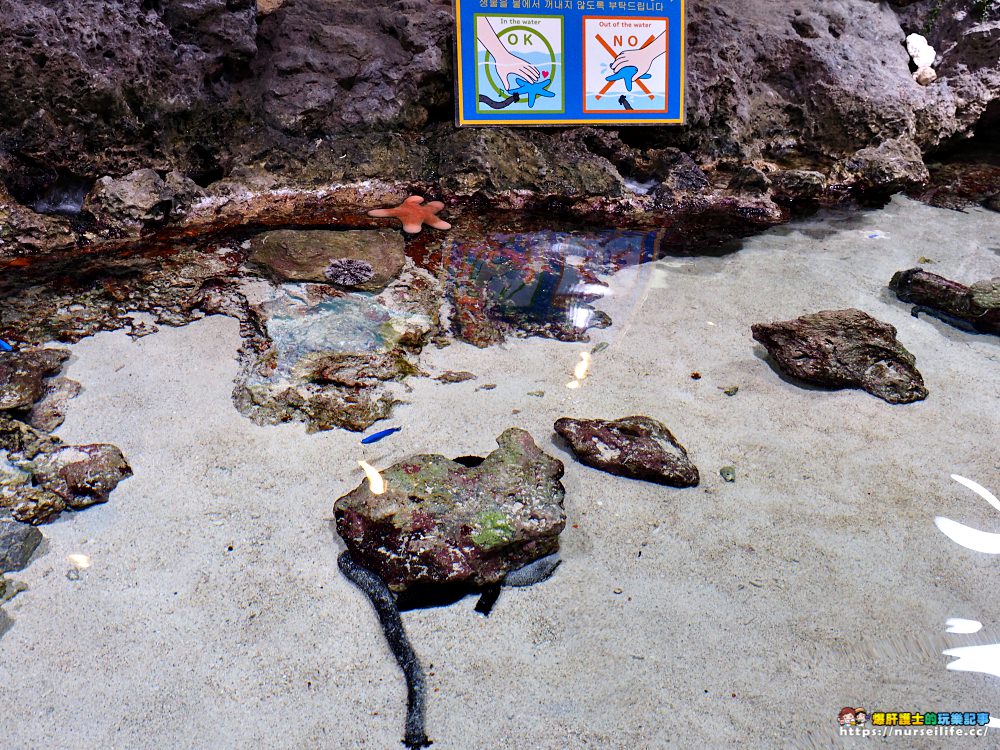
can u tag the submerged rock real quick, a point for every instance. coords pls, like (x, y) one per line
(23, 376)
(541, 283)
(18, 542)
(141, 196)
(326, 357)
(451, 376)
(41, 476)
(357, 259)
(50, 412)
(442, 522)
(972, 308)
(634, 447)
(173, 286)
(844, 349)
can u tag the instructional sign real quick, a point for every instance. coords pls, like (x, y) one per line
(570, 62)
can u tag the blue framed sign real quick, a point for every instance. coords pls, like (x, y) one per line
(570, 62)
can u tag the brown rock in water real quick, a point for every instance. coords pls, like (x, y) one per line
(971, 308)
(18, 542)
(634, 447)
(50, 412)
(40, 476)
(83, 475)
(23, 376)
(450, 376)
(355, 259)
(844, 349)
(141, 196)
(442, 522)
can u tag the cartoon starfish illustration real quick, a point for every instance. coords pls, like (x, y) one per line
(531, 90)
(627, 74)
(414, 214)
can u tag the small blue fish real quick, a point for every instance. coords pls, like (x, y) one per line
(379, 435)
(531, 90)
(627, 74)
(5, 347)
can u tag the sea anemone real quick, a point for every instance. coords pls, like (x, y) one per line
(349, 271)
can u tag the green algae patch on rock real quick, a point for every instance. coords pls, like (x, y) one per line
(986, 294)
(356, 259)
(439, 522)
(494, 530)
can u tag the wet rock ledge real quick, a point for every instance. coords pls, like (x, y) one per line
(187, 116)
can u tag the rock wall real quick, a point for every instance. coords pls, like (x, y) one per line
(809, 94)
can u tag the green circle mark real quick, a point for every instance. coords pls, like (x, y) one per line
(489, 73)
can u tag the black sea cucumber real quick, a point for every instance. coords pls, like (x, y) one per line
(384, 602)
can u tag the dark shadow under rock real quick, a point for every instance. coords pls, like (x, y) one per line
(844, 349)
(635, 447)
(439, 523)
(974, 308)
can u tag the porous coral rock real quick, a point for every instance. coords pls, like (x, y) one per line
(440, 522)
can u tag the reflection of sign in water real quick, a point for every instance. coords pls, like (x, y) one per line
(519, 59)
(563, 62)
(625, 64)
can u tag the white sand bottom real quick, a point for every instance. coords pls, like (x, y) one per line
(748, 614)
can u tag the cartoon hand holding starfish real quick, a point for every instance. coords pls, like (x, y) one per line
(640, 60)
(507, 63)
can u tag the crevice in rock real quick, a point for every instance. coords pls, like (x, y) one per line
(49, 191)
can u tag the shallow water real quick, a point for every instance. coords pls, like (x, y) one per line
(732, 614)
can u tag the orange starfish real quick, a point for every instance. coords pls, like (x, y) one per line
(413, 214)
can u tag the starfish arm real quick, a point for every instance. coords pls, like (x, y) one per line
(434, 206)
(382, 213)
(412, 226)
(438, 223)
(414, 200)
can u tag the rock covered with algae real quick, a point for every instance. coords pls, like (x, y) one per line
(40, 476)
(327, 357)
(444, 522)
(356, 259)
(23, 376)
(634, 447)
(844, 349)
